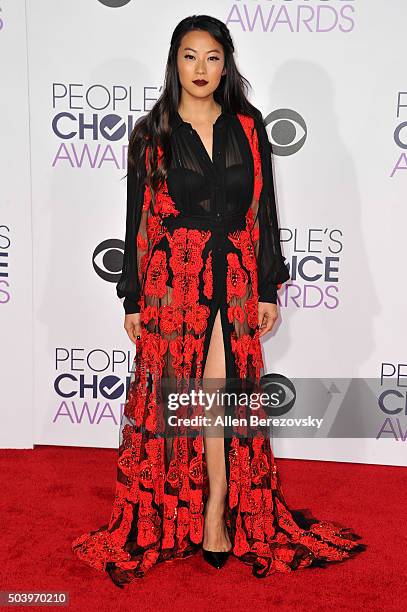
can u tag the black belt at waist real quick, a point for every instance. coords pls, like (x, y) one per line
(218, 222)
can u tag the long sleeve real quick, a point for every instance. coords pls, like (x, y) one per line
(272, 270)
(130, 279)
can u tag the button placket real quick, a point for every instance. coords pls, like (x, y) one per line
(217, 188)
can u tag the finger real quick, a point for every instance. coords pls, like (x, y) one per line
(131, 332)
(136, 332)
(269, 323)
(262, 316)
(263, 324)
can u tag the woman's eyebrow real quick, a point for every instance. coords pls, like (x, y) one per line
(195, 51)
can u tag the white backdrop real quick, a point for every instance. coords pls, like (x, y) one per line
(16, 307)
(329, 77)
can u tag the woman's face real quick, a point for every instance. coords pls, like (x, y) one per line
(200, 58)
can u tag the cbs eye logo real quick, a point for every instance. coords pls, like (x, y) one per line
(114, 3)
(288, 131)
(107, 259)
(282, 390)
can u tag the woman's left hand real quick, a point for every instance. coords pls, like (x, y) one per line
(268, 314)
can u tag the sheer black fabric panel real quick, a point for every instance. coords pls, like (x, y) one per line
(128, 286)
(271, 267)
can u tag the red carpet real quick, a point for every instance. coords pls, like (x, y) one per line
(53, 494)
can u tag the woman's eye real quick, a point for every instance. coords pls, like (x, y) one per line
(212, 57)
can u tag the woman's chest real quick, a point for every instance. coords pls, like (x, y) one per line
(195, 181)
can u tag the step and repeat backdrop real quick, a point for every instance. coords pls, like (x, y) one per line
(329, 78)
(16, 256)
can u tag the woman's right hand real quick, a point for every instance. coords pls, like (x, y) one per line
(132, 325)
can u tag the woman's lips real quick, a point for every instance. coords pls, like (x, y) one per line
(200, 82)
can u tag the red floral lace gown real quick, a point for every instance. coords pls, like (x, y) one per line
(210, 241)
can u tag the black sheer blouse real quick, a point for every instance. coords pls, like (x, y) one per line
(215, 187)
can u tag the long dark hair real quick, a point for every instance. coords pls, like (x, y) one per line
(154, 128)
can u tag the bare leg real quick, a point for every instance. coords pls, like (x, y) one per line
(216, 537)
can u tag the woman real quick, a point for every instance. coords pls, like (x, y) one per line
(201, 268)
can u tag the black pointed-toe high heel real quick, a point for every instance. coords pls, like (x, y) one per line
(216, 559)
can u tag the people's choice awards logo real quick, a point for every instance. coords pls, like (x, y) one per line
(114, 3)
(316, 251)
(92, 122)
(91, 385)
(392, 401)
(315, 267)
(400, 133)
(5, 244)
